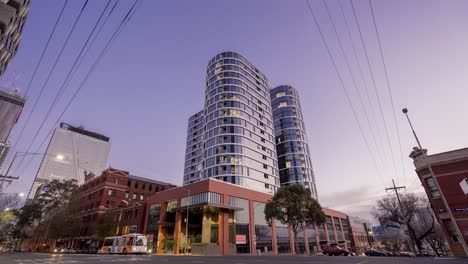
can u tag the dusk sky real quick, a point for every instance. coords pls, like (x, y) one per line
(153, 79)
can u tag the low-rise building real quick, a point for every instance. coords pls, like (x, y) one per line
(117, 192)
(225, 218)
(450, 169)
(362, 236)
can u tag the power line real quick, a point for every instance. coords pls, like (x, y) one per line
(104, 51)
(375, 88)
(74, 69)
(364, 80)
(348, 66)
(68, 77)
(37, 67)
(335, 67)
(389, 90)
(51, 72)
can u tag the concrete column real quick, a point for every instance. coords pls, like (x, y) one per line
(306, 242)
(177, 231)
(317, 238)
(161, 229)
(291, 241)
(224, 232)
(252, 236)
(343, 234)
(274, 239)
(326, 234)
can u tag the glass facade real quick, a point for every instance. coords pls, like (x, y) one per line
(263, 236)
(294, 162)
(11, 106)
(232, 139)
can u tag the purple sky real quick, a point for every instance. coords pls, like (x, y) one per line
(153, 78)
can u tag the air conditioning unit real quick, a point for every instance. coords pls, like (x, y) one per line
(464, 185)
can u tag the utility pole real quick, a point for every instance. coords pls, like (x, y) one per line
(396, 189)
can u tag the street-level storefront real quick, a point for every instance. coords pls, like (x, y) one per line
(223, 219)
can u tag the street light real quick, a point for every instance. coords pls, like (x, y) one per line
(446, 206)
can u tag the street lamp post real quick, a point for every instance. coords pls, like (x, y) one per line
(447, 208)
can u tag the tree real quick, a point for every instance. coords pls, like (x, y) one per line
(63, 226)
(436, 240)
(8, 201)
(294, 206)
(411, 215)
(108, 226)
(57, 197)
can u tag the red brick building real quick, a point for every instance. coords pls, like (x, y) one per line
(116, 191)
(450, 169)
(362, 237)
(224, 219)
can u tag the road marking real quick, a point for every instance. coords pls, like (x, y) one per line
(443, 258)
(197, 261)
(363, 262)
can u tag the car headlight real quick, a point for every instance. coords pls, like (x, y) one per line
(134, 248)
(55, 250)
(150, 250)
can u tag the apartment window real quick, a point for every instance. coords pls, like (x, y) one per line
(156, 189)
(142, 197)
(451, 230)
(129, 183)
(263, 140)
(267, 186)
(282, 104)
(431, 185)
(143, 186)
(136, 185)
(109, 192)
(280, 94)
(150, 188)
(262, 131)
(288, 164)
(134, 196)
(264, 157)
(127, 194)
(265, 166)
(265, 176)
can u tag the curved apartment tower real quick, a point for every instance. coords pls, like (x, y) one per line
(238, 139)
(294, 163)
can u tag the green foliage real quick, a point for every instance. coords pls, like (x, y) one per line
(63, 226)
(58, 195)
(108, 226)
(293, 206)
(28, 214)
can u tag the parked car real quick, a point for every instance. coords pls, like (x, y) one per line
(334, 251)
(425, 253)
(58, 250)
(407, 254)
(376, 252)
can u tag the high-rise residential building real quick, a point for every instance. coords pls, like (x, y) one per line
(450, 172)
(72, 152)
(194, 150)
(294, 162)
(238, 143)
(11, 105)
(13, 15)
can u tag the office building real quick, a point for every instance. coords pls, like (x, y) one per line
(13, 15)
(11, 105)
(450, 171)
(294, 162)
(237, 141)
(71, 152)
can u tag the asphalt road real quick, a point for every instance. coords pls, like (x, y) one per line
(38, 258)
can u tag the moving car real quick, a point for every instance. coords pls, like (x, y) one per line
(376, 252)
(407, 254)
(125, 244)
(334, 251)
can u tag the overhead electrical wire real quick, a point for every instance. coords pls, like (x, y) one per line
(353, 79)
(103, 52)
(36, 69)
(53, 69)
(341, 81)
(389, 90)
(68, 77)
(375, 88)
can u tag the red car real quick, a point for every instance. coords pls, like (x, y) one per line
(334, 251)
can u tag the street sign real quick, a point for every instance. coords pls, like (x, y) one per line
(45, 189)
